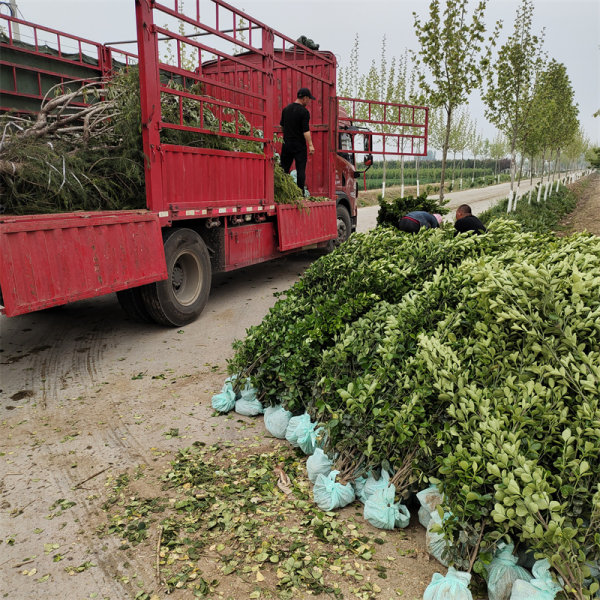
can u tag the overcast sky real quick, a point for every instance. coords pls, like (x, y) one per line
(572, 32)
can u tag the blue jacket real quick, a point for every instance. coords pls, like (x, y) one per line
(425, 219)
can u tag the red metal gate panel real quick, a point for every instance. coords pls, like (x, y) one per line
(304, 225)
(47, 260)
(250, 244)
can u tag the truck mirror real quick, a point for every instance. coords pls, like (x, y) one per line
(367, 143)
(368, 160)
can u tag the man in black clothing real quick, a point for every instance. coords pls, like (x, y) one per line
(465, 221)
(295, 120)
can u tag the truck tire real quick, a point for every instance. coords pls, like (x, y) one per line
(344, 228)
(181, 298)
(133, 305)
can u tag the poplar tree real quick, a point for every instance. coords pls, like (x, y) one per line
(554, 121)
(453, 54)
(498, 150)
(476, 146)
(510, 84)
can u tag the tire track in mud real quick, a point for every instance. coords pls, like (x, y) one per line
(59, 354)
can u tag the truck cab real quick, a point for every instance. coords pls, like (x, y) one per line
(353, 144)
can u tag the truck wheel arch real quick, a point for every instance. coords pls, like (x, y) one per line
(181, 298)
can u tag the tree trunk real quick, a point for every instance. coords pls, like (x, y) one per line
(417, 173)
(384, 175)
(453, 168)
(402, 177)
(542, 177)
(520, 172)
(513, 169)
(531, 172)
(445, 153)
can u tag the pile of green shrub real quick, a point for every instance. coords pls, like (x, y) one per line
(472, 362)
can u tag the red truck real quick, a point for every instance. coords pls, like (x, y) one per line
(208, 210)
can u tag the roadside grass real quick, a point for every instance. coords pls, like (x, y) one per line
(541, 217)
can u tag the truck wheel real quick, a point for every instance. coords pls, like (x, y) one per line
(344, 228)
(181, 298)
(133, 305)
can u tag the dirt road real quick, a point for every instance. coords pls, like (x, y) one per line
(86, 394)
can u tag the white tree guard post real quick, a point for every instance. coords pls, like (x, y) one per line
(460, 184)
(418, 194)
(557, 184)
(383, 190)
(539, 194)
(509, 205)
(402, 190)
(529, 199)
(546, 191)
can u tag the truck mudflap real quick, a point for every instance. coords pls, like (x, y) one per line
(47, 260)
(304, 225)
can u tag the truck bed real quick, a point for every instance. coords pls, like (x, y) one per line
(47, 260)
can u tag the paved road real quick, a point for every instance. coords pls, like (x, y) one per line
(479, 199)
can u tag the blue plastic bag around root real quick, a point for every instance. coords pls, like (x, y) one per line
(429, 498)
(454, 586)
(301, 433)
(329, 494)
(541, 587)
(503, 572)
(371, 485)
(318, 464)
(249, 408)
(382, 512)
(225, 400)
(277, 420)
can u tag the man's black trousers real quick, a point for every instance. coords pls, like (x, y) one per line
(299, 157)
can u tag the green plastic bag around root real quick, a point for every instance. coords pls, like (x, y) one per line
(503, 572)
(382, 512)
(225, 400)
(429, 498)
(329, 494)
(541, 587)
(248, 404)
(454, 586)
(301, 433)
(317, 464)
(372, 484)
(277, 420)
